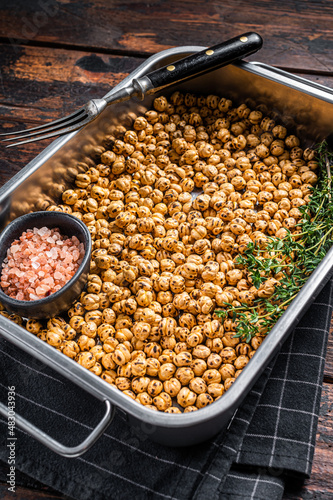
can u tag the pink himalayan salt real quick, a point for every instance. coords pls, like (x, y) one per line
(39, 263)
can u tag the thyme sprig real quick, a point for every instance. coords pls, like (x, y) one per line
(286, 262)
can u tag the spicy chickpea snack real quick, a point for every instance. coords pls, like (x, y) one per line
(175, 198)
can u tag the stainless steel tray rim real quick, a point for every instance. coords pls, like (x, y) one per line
(289, 79)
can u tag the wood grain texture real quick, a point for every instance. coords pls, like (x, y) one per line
(26, 487)
(29, 494)
(297, 34)
(45, 83)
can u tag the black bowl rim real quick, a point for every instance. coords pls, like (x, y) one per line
(5, 299)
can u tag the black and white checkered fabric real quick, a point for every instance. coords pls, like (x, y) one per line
(271, 436)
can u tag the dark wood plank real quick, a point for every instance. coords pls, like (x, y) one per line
(26, 487)
(52, 81)
(297, 34)
(29, 494)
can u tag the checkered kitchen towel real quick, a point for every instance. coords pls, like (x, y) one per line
(271, 436)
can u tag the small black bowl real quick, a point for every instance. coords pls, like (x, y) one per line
(61, 300)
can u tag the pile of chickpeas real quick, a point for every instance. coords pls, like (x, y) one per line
(174, 198)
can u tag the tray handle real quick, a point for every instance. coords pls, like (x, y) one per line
(65, 451)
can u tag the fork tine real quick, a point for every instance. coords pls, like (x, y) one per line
(59, 123)
(66, 130)
(79, 120)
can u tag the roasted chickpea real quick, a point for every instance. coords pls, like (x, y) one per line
(172, 409)
(204, 400)
(241, 362)
(184, 374)
(155, 387)
(85, 343)
(33, 326)
(71, 349)
(140, 384)
(152, 367)
(86, 359)
(199, 366)
(166, 371)
(215, 390)
(228, 383)
(163, 401)
(186, 397)
(139, 366)
(198, 385)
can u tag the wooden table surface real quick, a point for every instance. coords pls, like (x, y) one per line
(57, 54)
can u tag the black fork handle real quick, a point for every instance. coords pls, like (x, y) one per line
(201, 62)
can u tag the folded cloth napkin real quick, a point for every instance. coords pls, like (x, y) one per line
(271, 436)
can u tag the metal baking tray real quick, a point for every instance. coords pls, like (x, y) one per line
(303, 106)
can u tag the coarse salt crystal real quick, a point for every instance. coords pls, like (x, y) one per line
(41, 290)
(54, 252)
(15, 248)
(19, 273)
(43, 231)
(49, 281)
